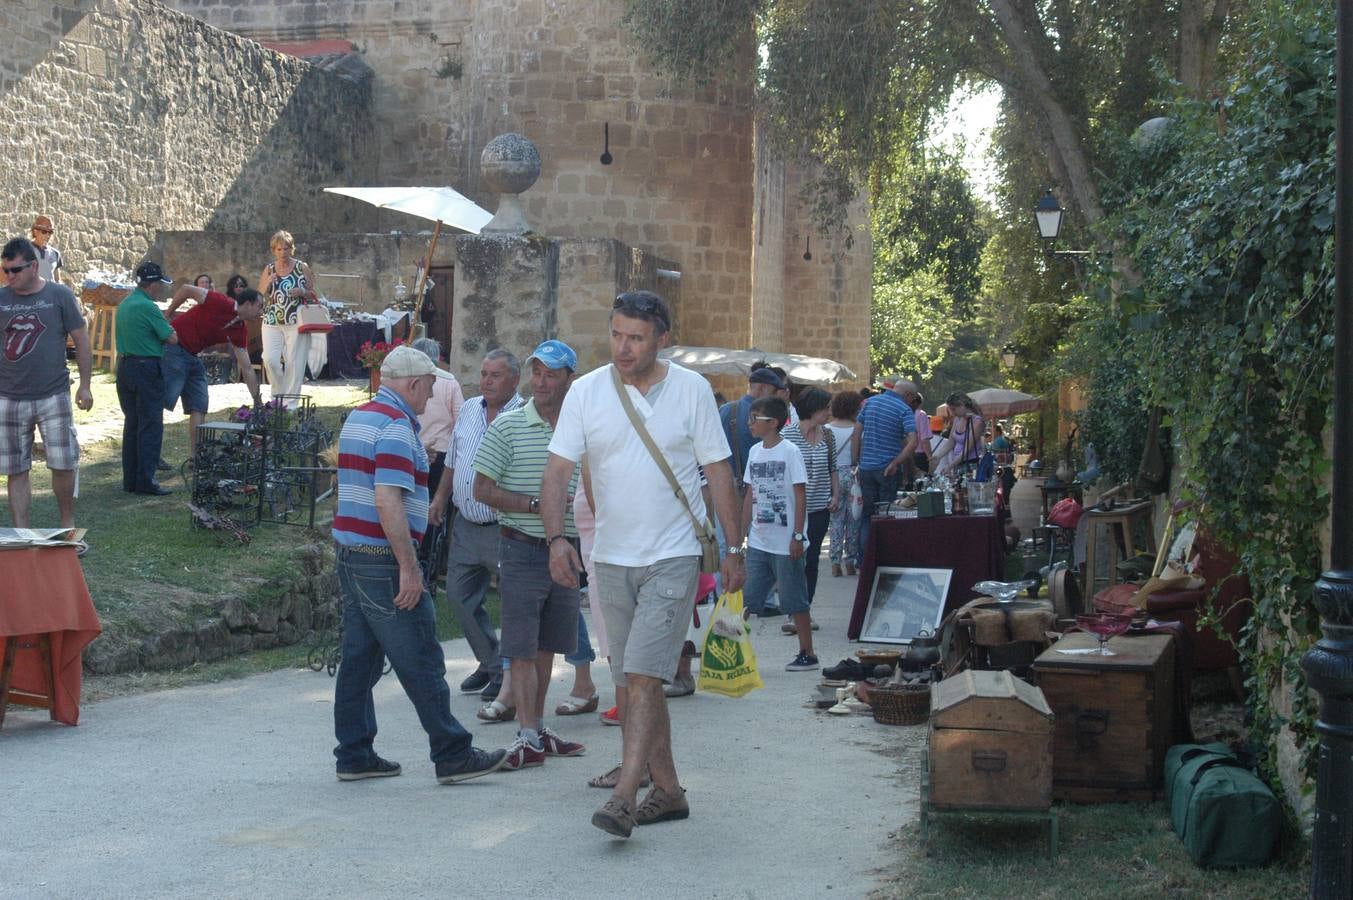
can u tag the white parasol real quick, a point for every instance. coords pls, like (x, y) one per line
(442, 205)
(997, 403)
(725, 361)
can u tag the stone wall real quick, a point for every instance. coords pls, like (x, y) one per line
(359, 269)
(237, 625)
(412, 46)
(126, 118)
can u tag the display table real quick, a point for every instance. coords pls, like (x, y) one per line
(342, 345)
(969, 545)
(51, 600)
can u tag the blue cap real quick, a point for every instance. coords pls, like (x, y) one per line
(555, 355)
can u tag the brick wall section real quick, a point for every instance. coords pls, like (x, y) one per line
(417, 110)
(137, 118)
(827, 299)
(680, 184)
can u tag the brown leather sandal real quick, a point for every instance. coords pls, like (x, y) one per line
(611, 778)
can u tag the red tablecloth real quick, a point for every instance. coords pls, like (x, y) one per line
(42, 591)
(969, 545)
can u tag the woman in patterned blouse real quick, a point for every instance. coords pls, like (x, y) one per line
(287, 284)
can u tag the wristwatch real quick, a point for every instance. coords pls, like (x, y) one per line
(533, 505)
(739, 550)
(800, 536)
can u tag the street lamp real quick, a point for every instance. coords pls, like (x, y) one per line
(1049, 214)
(1009, 356)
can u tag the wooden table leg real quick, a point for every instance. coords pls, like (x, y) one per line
(6, 672)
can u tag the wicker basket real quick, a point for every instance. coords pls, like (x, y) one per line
(900, 704)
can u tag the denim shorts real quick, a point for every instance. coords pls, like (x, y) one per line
(538, 615)
(779, 571)
(184, 375)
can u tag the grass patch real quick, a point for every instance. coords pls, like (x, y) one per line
(1110, 850)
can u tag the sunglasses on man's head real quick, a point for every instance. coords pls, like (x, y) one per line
(648, 304)
(15, 270)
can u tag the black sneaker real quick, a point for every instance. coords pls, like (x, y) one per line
(804, 662)
(847, 670)
(379, 768)
(475, 683)
(490, 693)
(475, 763)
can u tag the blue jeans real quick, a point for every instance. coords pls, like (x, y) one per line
(584, 653)
(374, 630)
(775, 570)
(186, 377)
(140, 393)
(875, 487)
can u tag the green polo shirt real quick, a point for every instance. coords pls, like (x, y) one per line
(141, 326)
(513, 453)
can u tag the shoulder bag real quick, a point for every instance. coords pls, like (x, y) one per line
(704, 532)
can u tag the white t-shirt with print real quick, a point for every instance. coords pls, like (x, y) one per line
(771, 475)
(639, 520)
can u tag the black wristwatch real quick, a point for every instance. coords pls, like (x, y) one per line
(800, 536)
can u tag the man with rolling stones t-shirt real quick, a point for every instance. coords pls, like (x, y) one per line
(36, 317)
(216, 319)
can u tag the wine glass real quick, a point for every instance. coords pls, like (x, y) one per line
(1104, 626)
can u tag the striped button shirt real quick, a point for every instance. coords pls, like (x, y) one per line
(379, 445)
(513, 453)
(471, 423)
(885, 422)
(819, 463)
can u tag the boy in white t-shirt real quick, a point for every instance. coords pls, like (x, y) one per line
(773, 511)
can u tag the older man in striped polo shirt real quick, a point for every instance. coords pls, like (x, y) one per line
(539, 617)
(387, 611)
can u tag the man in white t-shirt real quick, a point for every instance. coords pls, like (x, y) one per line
(646, 552)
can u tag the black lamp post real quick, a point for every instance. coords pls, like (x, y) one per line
(1329, 664)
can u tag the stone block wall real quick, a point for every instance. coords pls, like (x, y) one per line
(412, 46)
(680, 184)
(126, 118)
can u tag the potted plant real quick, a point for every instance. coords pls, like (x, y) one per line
(371, 355)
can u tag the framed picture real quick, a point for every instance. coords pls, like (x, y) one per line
(905, 602)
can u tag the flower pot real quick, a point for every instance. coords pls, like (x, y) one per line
(375, 376)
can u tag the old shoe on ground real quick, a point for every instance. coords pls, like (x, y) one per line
(681, 686)
(660, 806)
(615, 817)
(472, 765)
(377, 768)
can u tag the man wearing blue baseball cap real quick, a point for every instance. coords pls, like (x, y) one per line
(539, 616)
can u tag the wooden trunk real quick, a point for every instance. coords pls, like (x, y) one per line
(990, 743)
(1113, 716)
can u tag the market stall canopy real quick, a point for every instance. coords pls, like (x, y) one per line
(725, 361)
(436, 204)
(997, 403)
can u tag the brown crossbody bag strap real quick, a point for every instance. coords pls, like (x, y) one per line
(703, 531)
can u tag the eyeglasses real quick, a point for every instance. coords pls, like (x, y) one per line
(764, 419)
(644, 303)
(15, 270)
(43, 230)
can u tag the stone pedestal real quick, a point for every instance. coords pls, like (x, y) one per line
(514, 291)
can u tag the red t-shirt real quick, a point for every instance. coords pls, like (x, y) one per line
(209, 323)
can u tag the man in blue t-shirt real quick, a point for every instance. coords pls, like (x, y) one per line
(887, 441)
(735, 414)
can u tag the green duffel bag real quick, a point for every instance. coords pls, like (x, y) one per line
(1223, 813)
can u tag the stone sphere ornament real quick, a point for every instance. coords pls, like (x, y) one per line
(510, 164)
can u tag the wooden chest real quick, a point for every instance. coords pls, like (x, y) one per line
(990, 743)
(1113, 716)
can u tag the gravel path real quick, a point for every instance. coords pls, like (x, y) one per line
(228, 790)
